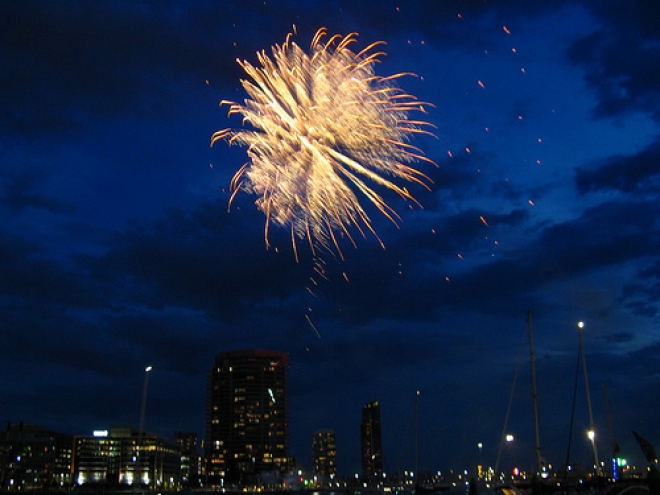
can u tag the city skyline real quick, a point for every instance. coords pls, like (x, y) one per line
(119, 248)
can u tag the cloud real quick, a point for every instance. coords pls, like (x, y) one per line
(20, 193)
(65, 63)
(616, 58)
(633, 174)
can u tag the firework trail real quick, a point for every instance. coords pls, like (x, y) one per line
(322, 127)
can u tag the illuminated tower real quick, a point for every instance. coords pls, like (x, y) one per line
(372, 447)
(324, 454)
(246, 419)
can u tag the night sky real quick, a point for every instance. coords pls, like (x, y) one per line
(117, 249)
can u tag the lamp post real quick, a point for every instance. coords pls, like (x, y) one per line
(592, 432)
(145, 385)
(417, 393)
(480, 446)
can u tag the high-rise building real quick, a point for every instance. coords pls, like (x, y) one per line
(190, 458)
(372, 447)
(324, 454)
(247, 416)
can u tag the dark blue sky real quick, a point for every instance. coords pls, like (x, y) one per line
(117, 249)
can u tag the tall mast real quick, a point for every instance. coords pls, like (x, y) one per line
(534, 394)
(592, 431)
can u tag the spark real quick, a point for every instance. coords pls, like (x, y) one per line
(506, 30)
(483, 220)
(309, 321)
(480, 83)
(321, 128)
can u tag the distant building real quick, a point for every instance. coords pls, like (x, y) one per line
(247, 417)
(122, 456)
(34, 458)
(372, 447)
(190, 459)
(324, 455)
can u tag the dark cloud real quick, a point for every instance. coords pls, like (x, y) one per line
(66, 63)
(21, 192)
(29, 275)
(616, 58)
(638, 174)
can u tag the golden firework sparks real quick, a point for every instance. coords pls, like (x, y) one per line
(320, 127)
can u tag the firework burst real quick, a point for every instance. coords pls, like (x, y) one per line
(321, 128)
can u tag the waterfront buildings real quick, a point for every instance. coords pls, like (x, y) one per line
(247, 417)
(34, 458)
(372, 447)
(324, 455)
(122, 455)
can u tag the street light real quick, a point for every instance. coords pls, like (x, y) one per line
(591, 434)
(147, 370)
(145, 385)
(417, 393)
(480, 446)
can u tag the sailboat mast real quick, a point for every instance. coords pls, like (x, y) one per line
(534, 394)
